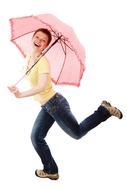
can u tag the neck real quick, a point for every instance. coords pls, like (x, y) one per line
(35, 54)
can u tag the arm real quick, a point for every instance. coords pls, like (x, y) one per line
(42, 81)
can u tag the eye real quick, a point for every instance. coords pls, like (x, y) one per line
(43, 40)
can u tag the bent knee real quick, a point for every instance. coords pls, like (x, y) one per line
(33, 138)
(76, 137)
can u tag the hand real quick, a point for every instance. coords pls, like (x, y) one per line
(15, 91)
(12, 89)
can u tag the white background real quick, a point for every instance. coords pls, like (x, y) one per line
(99, 160)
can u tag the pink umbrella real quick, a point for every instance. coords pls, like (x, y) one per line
(66, 55)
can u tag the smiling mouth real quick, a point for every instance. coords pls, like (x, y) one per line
(37, 45)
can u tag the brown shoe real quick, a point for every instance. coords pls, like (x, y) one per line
(43, 174)
(112, 110)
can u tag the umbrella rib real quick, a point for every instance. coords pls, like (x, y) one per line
(67, 44)
(63, 47)
(63, 63)
(63, 40)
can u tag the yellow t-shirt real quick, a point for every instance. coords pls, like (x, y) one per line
(42, 66)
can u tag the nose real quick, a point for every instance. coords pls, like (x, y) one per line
(39, 40)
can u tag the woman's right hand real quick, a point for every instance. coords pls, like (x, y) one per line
(13, 89)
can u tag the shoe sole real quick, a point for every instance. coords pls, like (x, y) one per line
(121, 115)
(52, 178)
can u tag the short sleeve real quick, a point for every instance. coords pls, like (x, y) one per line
(43, 66)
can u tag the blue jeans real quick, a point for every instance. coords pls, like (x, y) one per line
(57, 109)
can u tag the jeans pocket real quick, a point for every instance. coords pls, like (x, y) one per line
(53, 108)
(57, 104)
(64, 105)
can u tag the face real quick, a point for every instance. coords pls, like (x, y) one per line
(39, 41)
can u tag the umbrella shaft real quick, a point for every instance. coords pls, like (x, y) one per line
(52, 45)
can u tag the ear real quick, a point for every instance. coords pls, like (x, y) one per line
(42, 49)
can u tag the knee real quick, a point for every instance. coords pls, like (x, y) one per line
(76, 136)
(37, 140)
(37, 136)
(33, 138)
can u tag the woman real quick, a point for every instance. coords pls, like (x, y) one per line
(54, 107)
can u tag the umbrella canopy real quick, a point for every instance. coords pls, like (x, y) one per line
(66, 55)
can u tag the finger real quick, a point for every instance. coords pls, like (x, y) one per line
(11, 87)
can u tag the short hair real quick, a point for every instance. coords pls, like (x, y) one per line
(45, 31)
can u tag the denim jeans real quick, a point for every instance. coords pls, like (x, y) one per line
(57, 109)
